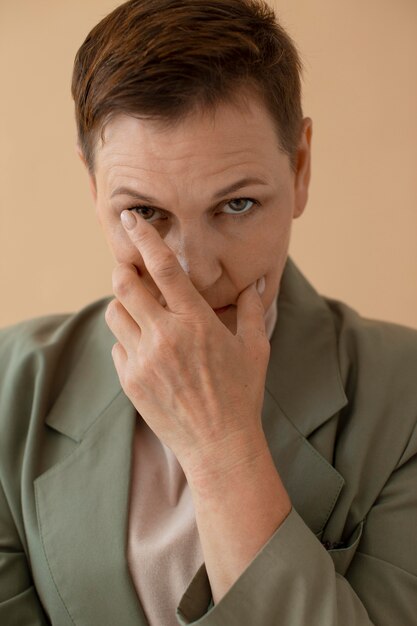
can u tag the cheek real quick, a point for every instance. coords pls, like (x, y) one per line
(275, 266)
(276, 247)
(263, 251)
(265, 254)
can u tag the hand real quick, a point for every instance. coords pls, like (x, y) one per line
(199, 387)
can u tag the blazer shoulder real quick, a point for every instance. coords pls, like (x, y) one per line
(36, 357)
(390, 348)
(34, 335)
(378, 365)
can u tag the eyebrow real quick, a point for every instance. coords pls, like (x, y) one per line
(243, 182)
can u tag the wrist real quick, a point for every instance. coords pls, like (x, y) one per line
(236, 466)
(220, 459)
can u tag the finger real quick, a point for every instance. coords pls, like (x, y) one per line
(250, 314)
(129, 289)
(123, 327)
(120, 360)
(162, 264)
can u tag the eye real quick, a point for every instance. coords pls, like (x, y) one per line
(148, 213)
(240, 206)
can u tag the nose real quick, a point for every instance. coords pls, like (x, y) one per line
(198, 253)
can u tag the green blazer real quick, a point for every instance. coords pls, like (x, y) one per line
(339, 414)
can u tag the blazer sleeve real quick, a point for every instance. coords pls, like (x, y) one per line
(19, 603)
(294, 580)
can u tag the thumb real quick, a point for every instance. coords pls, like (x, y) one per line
(250, 311)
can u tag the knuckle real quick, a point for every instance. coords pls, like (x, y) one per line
(116, 350)
(123, 279)
(133, 382)
(129, 381)
(139, 237)
(162, 342)
(264, 346)
(129, 385)
(260, 307)
(118, 355)
(165, 266)
(111, 311)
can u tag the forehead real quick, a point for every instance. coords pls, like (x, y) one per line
(203, 151)
(233, 133)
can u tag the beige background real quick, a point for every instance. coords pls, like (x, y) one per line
(357, 240)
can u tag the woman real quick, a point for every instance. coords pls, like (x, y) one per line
(218, 444)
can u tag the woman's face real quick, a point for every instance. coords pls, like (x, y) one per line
(219, 191)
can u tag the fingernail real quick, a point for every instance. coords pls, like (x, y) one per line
(128, 219)
(260, 285)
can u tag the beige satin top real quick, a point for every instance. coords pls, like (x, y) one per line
(164, 550)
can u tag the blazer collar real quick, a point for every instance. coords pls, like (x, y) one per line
(92, 384)
(82, 508)
(303, 390)
(83, 500)
(303, 374)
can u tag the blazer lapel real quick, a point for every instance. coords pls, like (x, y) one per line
(82, 501)
(311, 482)
(303, 391)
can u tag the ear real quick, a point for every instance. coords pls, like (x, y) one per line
(303, 167)
(91, 178)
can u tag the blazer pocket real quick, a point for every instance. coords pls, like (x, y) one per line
(343, 555)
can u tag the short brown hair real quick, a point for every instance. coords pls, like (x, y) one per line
(162, 59)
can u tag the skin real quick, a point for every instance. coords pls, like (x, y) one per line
(196, 376)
